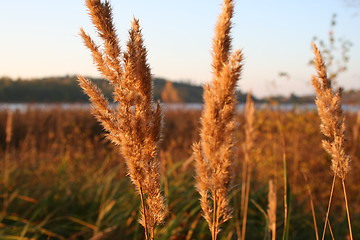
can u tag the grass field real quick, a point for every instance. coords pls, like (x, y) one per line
(61, 179)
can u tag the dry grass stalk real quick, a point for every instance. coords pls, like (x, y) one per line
(271, 211)
(214, 152)
(8, 138)
(356, 127)
(332, 126)
(250, 135)
(312, 206)
(286, 184)
(9, 128)
(135, 125)
(6, 164)
(355, 130)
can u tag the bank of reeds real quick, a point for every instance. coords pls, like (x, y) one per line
(63, 169)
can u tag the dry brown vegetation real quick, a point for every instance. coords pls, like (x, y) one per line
(88, 175)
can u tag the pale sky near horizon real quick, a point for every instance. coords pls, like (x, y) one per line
(39, 38)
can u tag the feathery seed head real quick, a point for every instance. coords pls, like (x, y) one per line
(214, 153)
(135, 126)
(332, 121)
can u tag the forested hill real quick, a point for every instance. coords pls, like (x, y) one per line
(66, 89)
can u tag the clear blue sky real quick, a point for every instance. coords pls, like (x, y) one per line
(40, 38)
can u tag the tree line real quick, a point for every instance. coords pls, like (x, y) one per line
(66, 89)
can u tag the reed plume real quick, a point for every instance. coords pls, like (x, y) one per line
(214, 152)
(332, 126)
(332, 120)
(135, 125)
(9, 128)
(248, 147)
(250, 130)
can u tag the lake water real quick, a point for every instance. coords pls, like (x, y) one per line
(172, 106)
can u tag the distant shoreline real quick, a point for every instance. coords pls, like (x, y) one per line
(66, 90)
(167, 106)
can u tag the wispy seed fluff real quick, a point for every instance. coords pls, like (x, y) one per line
(332, 120)
(135, 125)
(214, 152)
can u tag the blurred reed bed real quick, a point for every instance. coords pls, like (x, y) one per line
(66, 181)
